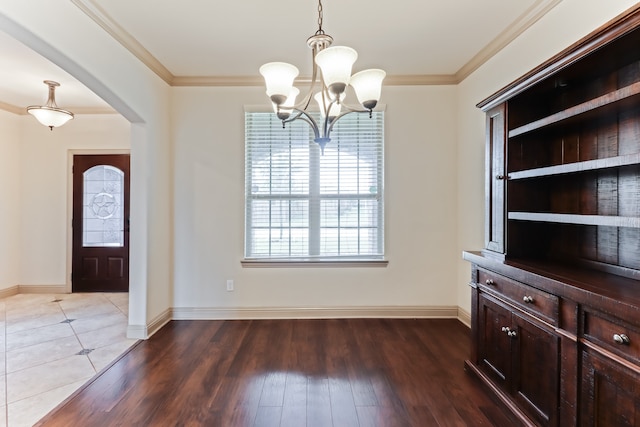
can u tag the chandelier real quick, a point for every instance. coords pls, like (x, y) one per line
(49, 114)
(335, 64)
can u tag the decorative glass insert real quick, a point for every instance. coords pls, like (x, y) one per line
(103, 209)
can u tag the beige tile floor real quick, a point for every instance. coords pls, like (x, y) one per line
(51, 344)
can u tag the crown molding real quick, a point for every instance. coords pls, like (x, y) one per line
(100, 16)
(394, 80)
(217, 81)
(519, 26)
(75, 110)
(12, 108)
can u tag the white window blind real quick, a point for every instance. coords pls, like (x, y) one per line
(304, 205)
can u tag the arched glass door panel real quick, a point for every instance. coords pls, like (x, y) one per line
(103, 207)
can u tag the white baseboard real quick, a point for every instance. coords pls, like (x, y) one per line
(32, 289)
(221, 313)
(10, 291)
(464, 316)
(137, 332)
(42, 289)
(143, 332)
(160, 320)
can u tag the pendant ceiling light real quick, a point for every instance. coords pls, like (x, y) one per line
(335, 64)
(49, 114)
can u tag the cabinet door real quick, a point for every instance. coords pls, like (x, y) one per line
(494, 353)
(536, 374)
(495, 179)
(610, 393)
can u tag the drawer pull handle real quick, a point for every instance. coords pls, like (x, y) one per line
(528, 299)
(621, 339)
(489, 282)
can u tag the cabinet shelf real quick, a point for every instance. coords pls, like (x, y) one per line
(630, 94)
(588, 165)
(603, 220)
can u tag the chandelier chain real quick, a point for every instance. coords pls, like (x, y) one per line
(320, 30)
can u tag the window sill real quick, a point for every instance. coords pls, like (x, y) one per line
(305, 263)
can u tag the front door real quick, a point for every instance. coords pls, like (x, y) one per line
(100, 260)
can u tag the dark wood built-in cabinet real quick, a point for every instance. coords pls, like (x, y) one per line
(555, 310)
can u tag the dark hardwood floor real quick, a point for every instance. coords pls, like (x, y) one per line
(343, 372)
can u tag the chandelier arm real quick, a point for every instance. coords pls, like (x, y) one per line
(304, 104)
(338, 117)
(293, 118)
(306, 117)
(353, 109)
(333, 122)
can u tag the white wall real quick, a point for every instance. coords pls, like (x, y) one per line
(10, 219)
(567, 23)
(83, 49)
(44, 174)
(420, 177)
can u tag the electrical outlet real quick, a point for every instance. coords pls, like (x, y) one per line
(229, 285)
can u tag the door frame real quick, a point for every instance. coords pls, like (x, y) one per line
(70, 154)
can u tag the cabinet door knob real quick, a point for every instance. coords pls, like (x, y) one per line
(621, 339)
(512, 334)
(506, 329)
(528, 299)
(489, 282)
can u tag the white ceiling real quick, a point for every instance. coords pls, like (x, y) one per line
(415, 41)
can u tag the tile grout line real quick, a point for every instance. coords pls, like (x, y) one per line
(58, 299)
(75, 334)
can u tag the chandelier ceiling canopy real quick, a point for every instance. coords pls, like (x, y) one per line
(49, 114)
(328, 87)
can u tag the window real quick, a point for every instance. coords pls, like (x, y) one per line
(301, 205)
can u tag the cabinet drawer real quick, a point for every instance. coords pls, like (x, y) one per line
(532, 300)
(612, 334)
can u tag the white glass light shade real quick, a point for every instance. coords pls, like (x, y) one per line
(336, 63)
(335, 108)
(368, 85)
(278, 77)
(52, 117)
(286, 108)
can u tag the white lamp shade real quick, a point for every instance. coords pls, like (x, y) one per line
(52, 117)
(278, 77)
(368, 85)
(336, 63)
(335, 108)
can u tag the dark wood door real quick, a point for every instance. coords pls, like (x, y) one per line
(495, 188)
(494, 343)
(610, 393)
(536, 375)
(100, 223)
